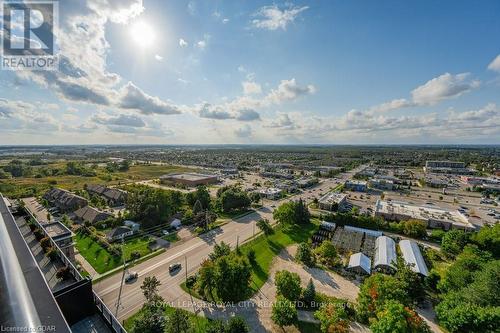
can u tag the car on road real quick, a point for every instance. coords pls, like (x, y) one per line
(131, 276)
(174, 267)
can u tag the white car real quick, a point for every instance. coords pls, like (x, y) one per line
(165, 232)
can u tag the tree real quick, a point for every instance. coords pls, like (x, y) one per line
(288, 285)
(217, 326)
(304, 254)
(488, 239)
(409, 280)
(327, 251)
(237, 325)
(309, 293)
(232, 277)
(396, 318)
(333, 318)
(150, 289)
(197, 208)
(232, 198)
(415, 228)
(151, 320)
(265, 227)
(454, 241)
(178, 322)
(292, 213)
(284, 312)
(251, 256)
(375, 291)
(205, 283)
(220, 250)
(202, 195)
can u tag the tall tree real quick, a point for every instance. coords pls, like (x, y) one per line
(284, 312)
(149, 289)
(288, 285)
(178, 322)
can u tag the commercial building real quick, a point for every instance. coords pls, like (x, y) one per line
(188, 179)
(307, 182)
(270, 193)
(355, 185)
(385, 255)
(434, 216)
(450, 167)
(381, 184)
(436, 181)
(64, 200)
(332, 201)
(413, 257)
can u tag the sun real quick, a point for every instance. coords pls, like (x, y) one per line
(142, 34)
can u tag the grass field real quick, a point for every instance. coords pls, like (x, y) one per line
(31, 186)
(266, 248)
(139, 244)
(96, 255)
(198, 324)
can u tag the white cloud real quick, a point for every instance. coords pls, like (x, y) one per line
(158, 57)
(218, 112)
(225, 20)
(443, 87)
(495, 64)
(250, 88)
(243, 132)
(289, 90)
(118, 120)
(27, 117)
(183, 43)
(118, 11)
(132, 97)
(191, 8)
(283, 122)
(201, 44)
(273, 18)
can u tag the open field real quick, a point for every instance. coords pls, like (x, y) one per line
(96, 255)
(32, 186)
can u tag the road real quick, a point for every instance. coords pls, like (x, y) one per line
(191, 254)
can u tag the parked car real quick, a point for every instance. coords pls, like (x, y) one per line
(165, 232)
(174, 267)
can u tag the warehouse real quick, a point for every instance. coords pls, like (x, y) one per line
(188, 179)
(413, 257)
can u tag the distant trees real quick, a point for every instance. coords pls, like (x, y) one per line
(292, 213)
(79, 169)
(17, 169)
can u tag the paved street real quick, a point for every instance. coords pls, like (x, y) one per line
(195, 251)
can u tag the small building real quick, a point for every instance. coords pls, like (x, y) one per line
(271, 193)
(332, 201)
(62, 236)
(113, 196)
(385, 255)
(413, 257)
(91, 215)
(189, 179)
(374, 233)
(359, 263)
(132, 225)
(65, 200)
(175, 222)
(355, 185)
(119, 233)
(381, 184)
(330, 226)
(306, 182)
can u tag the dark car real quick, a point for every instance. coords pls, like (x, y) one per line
(131, 277)
(174, 267)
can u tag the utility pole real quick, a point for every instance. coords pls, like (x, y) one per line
(118, 302)
(186, 268)
(253, 230)
(237, 241)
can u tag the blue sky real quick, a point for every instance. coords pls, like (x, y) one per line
(329, 72)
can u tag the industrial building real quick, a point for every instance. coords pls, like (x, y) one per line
(413, 257)
(381, 184)
(385, 255)
(355, 185)
(435, 217)
(188, 179)
(332, 201)
(450, 167)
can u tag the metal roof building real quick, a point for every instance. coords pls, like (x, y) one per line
(385, 254)
(413, 257)
(360, 263)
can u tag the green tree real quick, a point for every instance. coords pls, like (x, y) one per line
(232, 198)
(220, 250)
(284, 312)
(327, 252)
(396, 318)
(265, 227)
(309, 293)
(454, 241)
(217, 326)
(205, 283)
(151, 320)
(410, 281)
(197, 208)
(415, 228)
(178, 322)
(292, 213)
(488, 239)
(304, 254)
(149, 289)
(237, 325)
(333, 318)
(288, 285)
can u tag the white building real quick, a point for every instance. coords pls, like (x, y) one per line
(413, 257)
(434, 216)
(359, 263)
(332, 201)
(385, 254)
(271, 193)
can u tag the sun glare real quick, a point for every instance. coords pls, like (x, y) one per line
(142, 34)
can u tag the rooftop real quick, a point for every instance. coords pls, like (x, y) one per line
(188, 176)
(333, 197)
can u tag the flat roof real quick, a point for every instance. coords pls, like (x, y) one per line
(188, 176)
(332, 197)
(422, 212)
(271, 190)
(56, 230)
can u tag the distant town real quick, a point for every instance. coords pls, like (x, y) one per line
(251, 238)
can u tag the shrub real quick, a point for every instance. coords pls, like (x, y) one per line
(51, 253)
(135, 255)
(63, 273)
(45, 243)
(251, 256)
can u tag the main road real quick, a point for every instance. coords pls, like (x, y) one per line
(191, 254)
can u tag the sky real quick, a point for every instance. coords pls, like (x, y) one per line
(262, 72)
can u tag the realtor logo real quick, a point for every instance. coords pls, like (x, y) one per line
(28, 35)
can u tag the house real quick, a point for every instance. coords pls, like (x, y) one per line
(385, 255)
(65, 200)
(113, 196)
(90, 215)
(119, 233)
(359, 263)
(132, 225)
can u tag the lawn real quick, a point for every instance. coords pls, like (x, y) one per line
(199, 324)
(96, 255)
(172, 237)
(139, 244)
(266, 248)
